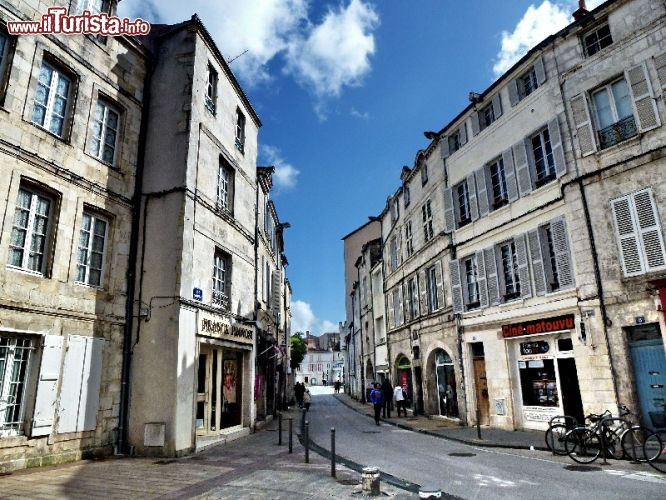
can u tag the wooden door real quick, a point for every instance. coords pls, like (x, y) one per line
(481, 384)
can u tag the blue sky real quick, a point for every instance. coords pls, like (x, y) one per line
(345, 90)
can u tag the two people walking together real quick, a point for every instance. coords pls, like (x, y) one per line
(382, 396)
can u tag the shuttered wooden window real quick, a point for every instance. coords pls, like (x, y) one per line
(639, 234)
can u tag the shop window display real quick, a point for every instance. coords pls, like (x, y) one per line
(538, 383)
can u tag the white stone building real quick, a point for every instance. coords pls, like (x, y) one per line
(70, 115)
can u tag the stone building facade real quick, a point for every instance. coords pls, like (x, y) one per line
(71, 112)
(551, 205)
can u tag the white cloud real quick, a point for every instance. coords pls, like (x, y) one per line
(323, 58)
(536, 24)
(304, 320)
(285, 174)
(358, 114)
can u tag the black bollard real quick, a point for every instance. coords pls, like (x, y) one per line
(333, 451)
(280, 429)
(307, 443)
(291, 426)
(478, 422)
(302, 421)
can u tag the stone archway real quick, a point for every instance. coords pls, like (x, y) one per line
(403, 371)
(442, 390)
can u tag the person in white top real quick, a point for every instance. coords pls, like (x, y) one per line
(399, 398)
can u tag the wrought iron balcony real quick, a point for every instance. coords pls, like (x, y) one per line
(220, 299)
(617, 132)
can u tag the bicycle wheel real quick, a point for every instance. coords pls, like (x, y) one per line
(582, 445)
(555, 438)
(654, 450)
(612, 443)
(632, 442)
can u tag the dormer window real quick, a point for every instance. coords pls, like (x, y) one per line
(597, 39)
(211, 89)
(240, 131)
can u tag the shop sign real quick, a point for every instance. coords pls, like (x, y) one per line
(539, 413)
(538, 347)
(220, 327)
(556, 324)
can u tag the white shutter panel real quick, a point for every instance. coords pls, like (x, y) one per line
(565, 275)
(540, 70)
(423, 291)
(444, 147)
(513, 92)
(47, 386)
(510, 175)
(627, 236)
(649, 229)
(583, 125)
(641, 90)
(660, 64)
(557, 147)
(523, 267)
(400, 319)
(497, 106)
(538, 266)
(449, 213)
(463, 133)
(476, 127)
(440, 289)
(522, 168)
(276, 285)
(481, 279)
(391, 316)
(482, 190)
(70, 389)
(91, 381)
(456, 287)
(492, 279)
(405, 300)
(471, 191)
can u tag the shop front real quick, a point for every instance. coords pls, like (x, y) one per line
(404, 376)
(541, 358)
(223, 366)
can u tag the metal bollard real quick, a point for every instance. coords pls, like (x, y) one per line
(370, 481)
(430, 493)
(478, 422)
(280, 429)
(333, 451)
(302, 421)
(291, 430)
(307, 442)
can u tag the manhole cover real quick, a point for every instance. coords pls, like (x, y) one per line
(348, 482)
(461, 454)
(582, 468)
(370, 432)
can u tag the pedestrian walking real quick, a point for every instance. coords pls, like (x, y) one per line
(387, 393)
(337, 386)
(299, 390)
(307, 399)
(377, 399)
(399, 397)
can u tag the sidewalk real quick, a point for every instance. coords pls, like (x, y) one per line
(448, 429)
(251, 467)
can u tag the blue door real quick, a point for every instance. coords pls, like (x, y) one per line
(649, 362)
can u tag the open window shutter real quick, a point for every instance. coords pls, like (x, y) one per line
(423, 291)
(540, 70)
(523, 266)
(558, 228)
(456, 287)
(627, 236)
(660, 65)
(513, 92)
(644, 102)
(538, 266)
(492, 278)
(440, 289)
(444, 147)
(482, 190)
(510, 175)
(400, 318)
(47, 386)
(405, 300)
(522, 168)
(583, 125)
(72, 380)
(276, 284)
(391, 316)
(481, 279)
(91, 381)
(449, 214)
(649, 230)
(497, 106)
(463, 133)
(476, 127)
(471, 190)
(557, 147)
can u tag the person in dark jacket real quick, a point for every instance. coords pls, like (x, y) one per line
(387, 393)
(299, 390)
(377, 399)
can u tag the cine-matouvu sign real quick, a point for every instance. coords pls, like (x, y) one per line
(556, 324)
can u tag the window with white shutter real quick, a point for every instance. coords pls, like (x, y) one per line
(639, 234)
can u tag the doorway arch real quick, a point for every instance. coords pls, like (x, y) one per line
(445, 379)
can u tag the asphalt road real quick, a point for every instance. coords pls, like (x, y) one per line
(471, 471)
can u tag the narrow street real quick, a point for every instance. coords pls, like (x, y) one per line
(471, 471)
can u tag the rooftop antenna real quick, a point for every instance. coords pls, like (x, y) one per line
(229, 61)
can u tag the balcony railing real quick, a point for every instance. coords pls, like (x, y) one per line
(617, 132)
(220, 299)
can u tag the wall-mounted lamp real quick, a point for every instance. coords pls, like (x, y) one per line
(474, 97)
(583, 334)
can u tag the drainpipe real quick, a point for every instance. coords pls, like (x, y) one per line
(123, 415)
(360, 332)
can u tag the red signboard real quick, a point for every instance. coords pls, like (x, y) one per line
(547, 325)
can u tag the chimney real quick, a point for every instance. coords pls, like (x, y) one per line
(582, 10)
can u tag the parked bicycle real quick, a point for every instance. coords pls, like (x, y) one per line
(654, 447)
(557, 428)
